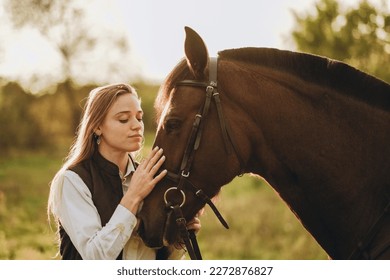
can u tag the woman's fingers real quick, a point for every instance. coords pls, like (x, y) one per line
(154, 158)
(150, 167)
(155, 169)
(157, 165)
(159, 177)
(146, 160)
(194, 224)
(144, 179)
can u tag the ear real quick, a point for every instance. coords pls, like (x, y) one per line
(196, 53)
(98, 131)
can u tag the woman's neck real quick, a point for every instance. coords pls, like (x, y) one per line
(120, 158)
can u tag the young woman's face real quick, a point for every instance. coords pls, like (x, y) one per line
(122, 129)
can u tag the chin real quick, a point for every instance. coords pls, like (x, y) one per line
(135, 147)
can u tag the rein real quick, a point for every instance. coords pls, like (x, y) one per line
(193, 144)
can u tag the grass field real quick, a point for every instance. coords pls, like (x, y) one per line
(24, 188)
(261, 226)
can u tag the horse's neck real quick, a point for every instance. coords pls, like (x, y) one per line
(322, 152)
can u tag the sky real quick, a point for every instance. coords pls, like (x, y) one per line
(155, 30)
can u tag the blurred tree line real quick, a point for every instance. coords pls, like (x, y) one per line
(49, 118)
(34, 122)
(358, 35)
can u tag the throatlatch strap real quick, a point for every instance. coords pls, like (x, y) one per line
(206, 199)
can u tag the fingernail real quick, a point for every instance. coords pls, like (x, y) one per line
(155, 148)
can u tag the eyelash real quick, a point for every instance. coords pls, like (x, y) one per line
(125, 121)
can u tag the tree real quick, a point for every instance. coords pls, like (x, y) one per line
(359, 36)
(19, 128)
(64, 25)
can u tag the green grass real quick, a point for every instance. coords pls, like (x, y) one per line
(261, 226)
(24, 188)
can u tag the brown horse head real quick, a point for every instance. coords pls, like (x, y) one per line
(317, 130)
(178, 105)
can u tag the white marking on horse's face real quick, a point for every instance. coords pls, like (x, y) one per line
(162, 117)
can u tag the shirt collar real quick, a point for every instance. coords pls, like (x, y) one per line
(129, 169)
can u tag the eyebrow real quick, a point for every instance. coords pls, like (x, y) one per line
(128, 112)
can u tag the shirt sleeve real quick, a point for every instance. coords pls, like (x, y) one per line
(81, 221)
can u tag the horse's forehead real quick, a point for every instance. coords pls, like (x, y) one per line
(182, 96)
(172, 97)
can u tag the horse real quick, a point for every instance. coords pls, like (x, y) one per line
(316, 129)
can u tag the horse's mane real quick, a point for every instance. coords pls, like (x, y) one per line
(316, 69)
(321, 70)
(180, 72)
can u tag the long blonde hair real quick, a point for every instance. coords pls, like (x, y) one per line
(98, 103)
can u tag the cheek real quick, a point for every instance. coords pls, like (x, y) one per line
(111, 128)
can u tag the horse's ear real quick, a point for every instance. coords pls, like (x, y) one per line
(196, 53)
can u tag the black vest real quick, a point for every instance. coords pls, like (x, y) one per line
(102, 179)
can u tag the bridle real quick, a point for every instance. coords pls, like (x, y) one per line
(181, 178)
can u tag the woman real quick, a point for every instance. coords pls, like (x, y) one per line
(96, 194)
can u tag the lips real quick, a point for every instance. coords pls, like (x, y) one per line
(136, 136)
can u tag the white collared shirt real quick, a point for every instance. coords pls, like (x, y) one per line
(81, 221)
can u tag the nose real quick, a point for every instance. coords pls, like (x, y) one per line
(136, 124)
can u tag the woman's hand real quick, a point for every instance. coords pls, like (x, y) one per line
(195, 224)
(144, 180)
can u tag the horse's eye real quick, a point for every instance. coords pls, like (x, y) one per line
(172, 125)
